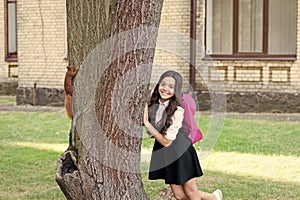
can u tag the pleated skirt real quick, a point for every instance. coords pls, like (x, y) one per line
(177, 163)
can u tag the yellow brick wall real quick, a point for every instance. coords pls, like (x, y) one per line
(42, 49)
(3, 65)
(172, 50)
(173, 45)
(255, 76)
(8, 70)
(235, 76)
(250, 76)
(42, 45)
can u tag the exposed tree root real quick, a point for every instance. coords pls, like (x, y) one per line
(165, 194)
(68, 177)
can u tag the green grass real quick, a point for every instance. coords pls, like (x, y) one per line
(30, 144)
(260, 136)
(253, 159)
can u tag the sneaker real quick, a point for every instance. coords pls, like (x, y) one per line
(218, 194)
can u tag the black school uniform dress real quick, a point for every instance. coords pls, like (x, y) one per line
(177, 163)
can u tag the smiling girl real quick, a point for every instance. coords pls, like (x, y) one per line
(174, 158)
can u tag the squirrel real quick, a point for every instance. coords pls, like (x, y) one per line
(69, 88)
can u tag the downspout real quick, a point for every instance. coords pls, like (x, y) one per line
(34, 94)
(193, 16)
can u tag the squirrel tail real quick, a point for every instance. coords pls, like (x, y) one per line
(68, 105)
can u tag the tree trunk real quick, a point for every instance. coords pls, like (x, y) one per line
(112, 43)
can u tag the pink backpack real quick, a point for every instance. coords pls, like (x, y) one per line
(189, 123)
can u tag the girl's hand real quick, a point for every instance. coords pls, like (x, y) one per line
(152, 131)
(146, 115)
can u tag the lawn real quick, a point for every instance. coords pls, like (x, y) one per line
(253, 159)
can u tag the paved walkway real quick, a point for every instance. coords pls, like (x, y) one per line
(29, 108)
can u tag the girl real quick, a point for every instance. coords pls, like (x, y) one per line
(174, 158)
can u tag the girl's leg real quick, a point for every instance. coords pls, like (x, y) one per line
(191, 190)
(207, 196)
(178, 192)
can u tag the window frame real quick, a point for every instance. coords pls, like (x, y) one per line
(8, 57)
(248, 55)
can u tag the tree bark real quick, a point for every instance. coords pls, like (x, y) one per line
(112, 42)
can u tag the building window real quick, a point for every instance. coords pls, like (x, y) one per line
(11, 30)
(262, 29)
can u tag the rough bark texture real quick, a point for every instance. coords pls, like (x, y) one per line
(112, 43)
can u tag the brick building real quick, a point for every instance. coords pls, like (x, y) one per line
(33, 48)
(248, 48)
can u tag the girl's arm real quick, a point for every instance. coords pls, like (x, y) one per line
(157, 135)
(162, 139)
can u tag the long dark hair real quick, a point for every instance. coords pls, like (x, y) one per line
(173, 103)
